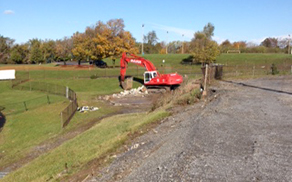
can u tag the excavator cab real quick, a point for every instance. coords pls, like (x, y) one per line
(148, 75)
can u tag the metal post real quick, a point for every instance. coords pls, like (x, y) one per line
(253, 70)
(142, 52)
(289, 45)
(67, 92)
(182, 47)
(166, 41)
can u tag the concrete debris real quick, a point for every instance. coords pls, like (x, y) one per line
(85, 109)
(134, 146)
(135, 91)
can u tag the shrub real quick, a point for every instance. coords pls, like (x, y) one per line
(274, 69)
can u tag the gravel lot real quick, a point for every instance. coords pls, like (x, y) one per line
(243, 134)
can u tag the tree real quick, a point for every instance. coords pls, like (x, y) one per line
(64, 49)
(19, 54)
(150, 42)
(103, 40)
(225, 46)
(209, 30)
(5, 45)
(48, 49)
(35, 53)
(204, 50)
(205, 54)
(270, 42)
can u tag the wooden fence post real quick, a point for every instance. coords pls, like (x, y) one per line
(48, 99)
(205, 81)
(25, 106)
(61, 120)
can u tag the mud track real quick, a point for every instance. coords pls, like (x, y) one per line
(243, 134)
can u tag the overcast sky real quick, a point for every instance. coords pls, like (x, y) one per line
(242, 20)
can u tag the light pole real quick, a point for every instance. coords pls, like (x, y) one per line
(142, 51)
(166, 40)
(289, 50)
(182, 47)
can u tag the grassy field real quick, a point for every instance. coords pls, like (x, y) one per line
(26, 129)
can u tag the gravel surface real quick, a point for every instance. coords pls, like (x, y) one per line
(243, 134)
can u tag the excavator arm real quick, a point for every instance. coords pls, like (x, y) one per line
(131, 58)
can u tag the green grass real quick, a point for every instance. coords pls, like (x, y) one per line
(23, 131)
(254, 59)
(104, 137)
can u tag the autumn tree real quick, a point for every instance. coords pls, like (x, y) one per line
(64, 49)
(225, 46)
(204, 49)
(103, 40)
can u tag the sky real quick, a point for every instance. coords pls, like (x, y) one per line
(172, 20)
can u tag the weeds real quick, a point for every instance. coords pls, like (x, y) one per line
(187, 93)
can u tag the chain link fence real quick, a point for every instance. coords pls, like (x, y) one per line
(22, 83)
(19, 107)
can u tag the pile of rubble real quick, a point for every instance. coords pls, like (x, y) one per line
(135, 92)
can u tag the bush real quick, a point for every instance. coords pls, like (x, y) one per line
(93, 77)
(274, 69)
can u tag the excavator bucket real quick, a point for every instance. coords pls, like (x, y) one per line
(127, 84)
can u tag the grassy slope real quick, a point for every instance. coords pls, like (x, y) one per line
(24, 130)
(94, 143)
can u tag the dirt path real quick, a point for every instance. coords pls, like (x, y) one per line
(244, 134)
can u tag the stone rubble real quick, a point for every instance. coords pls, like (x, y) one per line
(135, 91)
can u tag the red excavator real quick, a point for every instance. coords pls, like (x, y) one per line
(151, 77)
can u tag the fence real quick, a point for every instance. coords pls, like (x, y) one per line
(22, 83)
(253, 71)
(21, 77)
(68, 112)
(19, 107)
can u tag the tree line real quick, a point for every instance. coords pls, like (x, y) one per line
(100, 41)
(109, 40)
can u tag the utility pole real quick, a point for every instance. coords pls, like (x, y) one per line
(142, 51)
